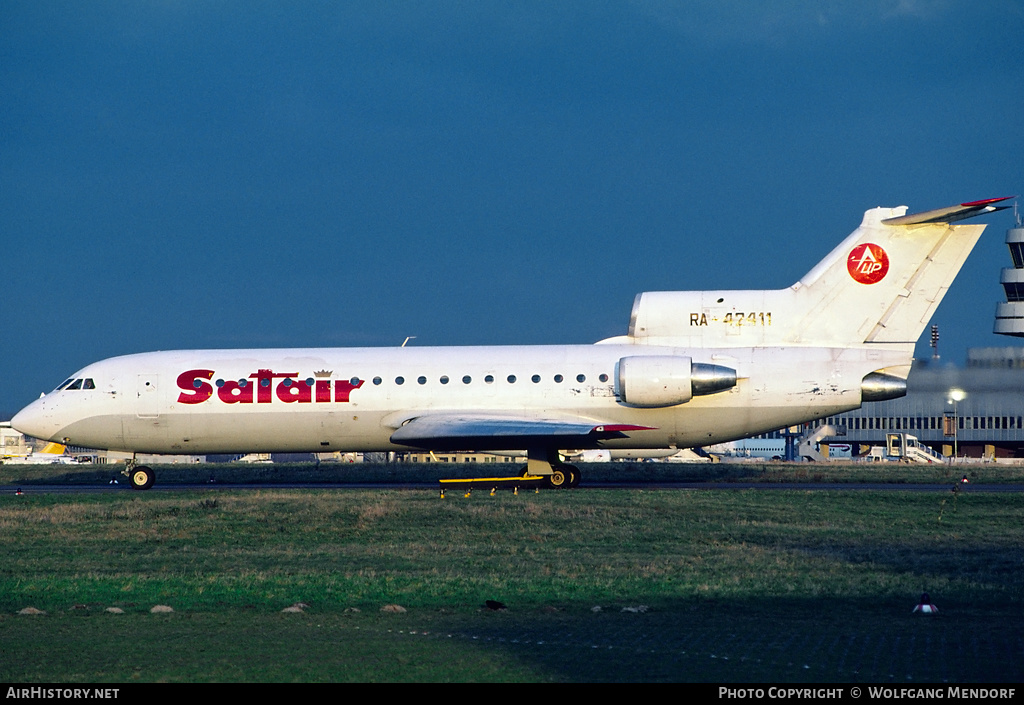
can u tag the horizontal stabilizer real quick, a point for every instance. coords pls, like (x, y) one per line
(950, 214)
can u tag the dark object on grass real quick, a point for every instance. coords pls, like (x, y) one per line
(926, 606)
(495, 606)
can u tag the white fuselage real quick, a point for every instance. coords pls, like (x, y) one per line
(191, 401)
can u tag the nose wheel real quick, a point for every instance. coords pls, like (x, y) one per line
(140, 477)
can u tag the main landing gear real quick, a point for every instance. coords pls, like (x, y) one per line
(547, 464)
(563, 477)
(140, 477)
(540, 471)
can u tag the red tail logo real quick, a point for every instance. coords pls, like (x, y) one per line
(867, 263)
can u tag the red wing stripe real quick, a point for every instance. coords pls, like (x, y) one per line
(621, 427)
(986, 201)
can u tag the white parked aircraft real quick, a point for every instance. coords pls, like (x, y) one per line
(52, 454)
(695, 368)
(753, 448)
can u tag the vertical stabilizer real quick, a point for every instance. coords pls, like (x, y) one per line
(880, 285)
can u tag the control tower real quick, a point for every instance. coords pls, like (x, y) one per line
(1010, 315)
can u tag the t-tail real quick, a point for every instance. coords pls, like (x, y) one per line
(878, 287)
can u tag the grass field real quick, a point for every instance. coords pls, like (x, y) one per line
(600, 585)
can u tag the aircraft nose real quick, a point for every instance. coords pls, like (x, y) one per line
(36, 420)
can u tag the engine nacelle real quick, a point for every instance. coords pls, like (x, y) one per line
(667, 380)
(878, 386)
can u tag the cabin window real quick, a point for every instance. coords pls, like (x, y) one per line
(467, 379)
(444, 379)
(581, 378)
(511, 379)
(489, 379)
(603, 377)
(536, 379)
(559, 378)
(377, 380)
(421, 379)
(399, 380)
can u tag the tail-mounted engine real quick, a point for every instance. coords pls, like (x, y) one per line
(667, 380)
(879, 386)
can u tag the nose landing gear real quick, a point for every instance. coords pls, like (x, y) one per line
(140, 477)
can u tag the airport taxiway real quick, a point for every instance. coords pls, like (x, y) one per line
(971, 488)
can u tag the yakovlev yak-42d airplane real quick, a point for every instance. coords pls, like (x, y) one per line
(695, 368)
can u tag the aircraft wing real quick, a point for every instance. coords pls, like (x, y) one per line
(469, 431)
(950, 214)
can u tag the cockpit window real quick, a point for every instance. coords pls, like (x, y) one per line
(86, 383)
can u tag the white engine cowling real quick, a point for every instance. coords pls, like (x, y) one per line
(667, 380)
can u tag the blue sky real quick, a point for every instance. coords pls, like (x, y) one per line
(255, 174)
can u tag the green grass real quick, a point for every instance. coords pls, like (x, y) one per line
(717, 586)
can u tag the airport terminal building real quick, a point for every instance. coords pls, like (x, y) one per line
(975, 411)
